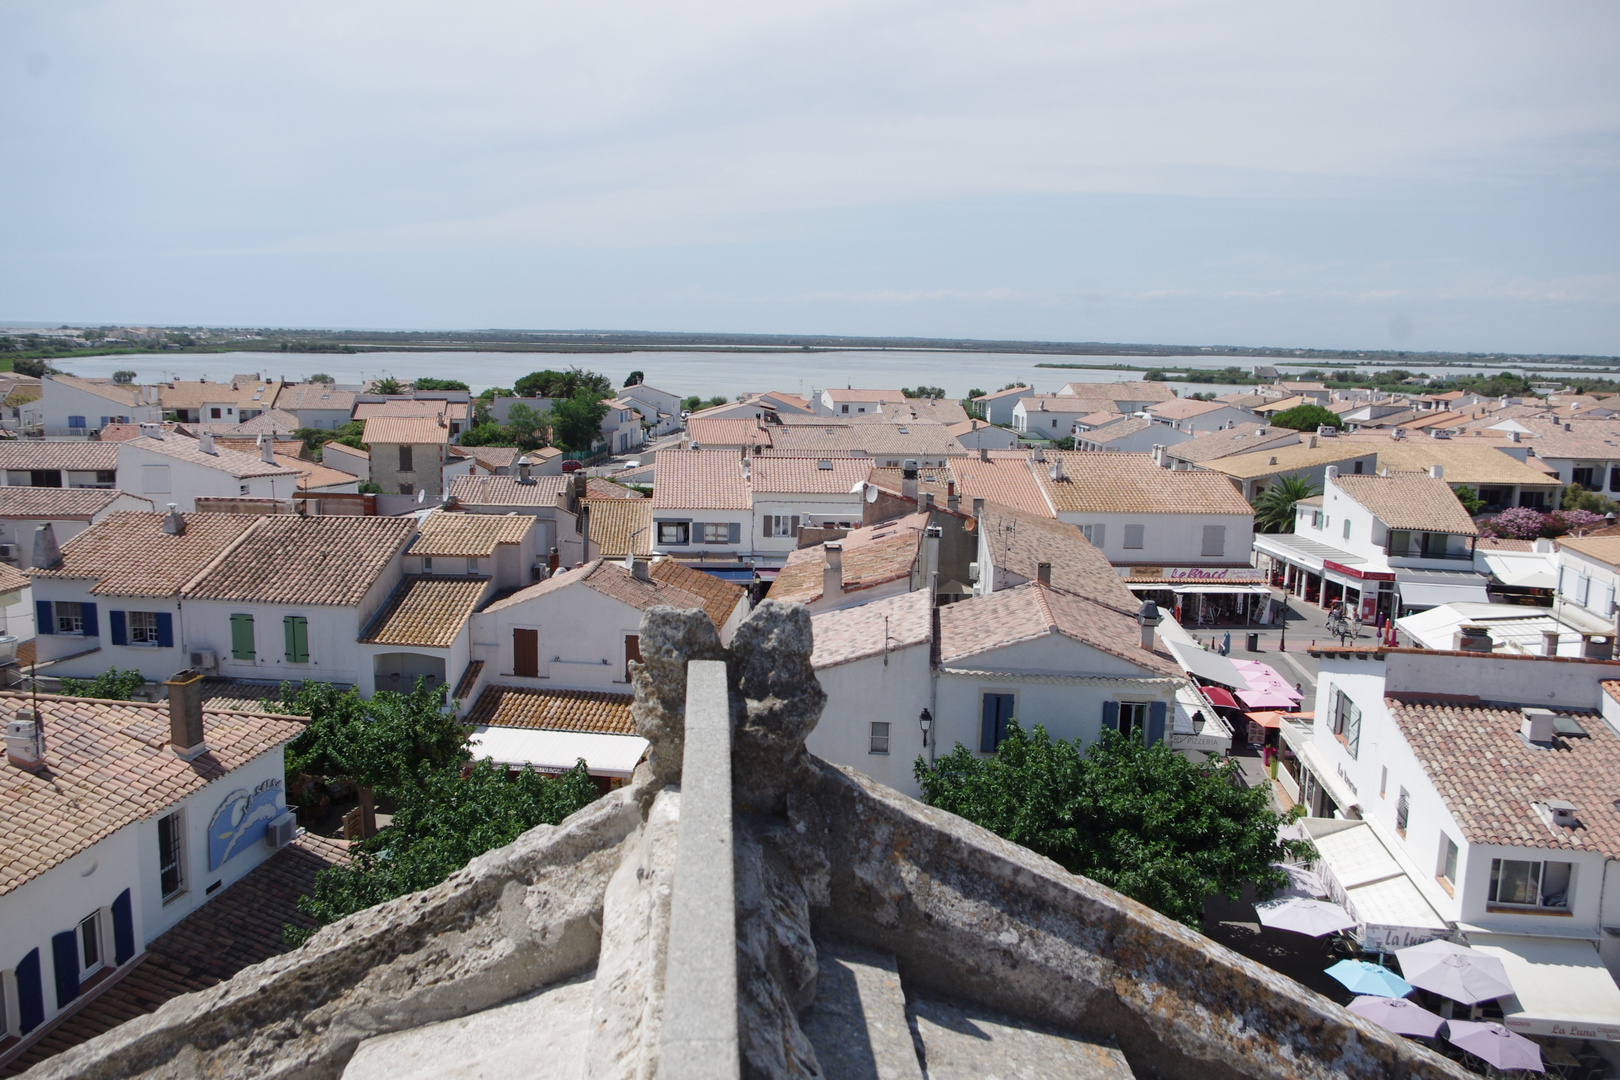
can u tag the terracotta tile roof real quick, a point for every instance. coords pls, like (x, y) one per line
(726, 431)
(853, 395)
(427, 612)
(116, 432)
(129, 554)
(1503, 543)
(610, 579)
(12, 579)
(1276, 460)
(1132, 484)
(242, 695)
(1185, 408)
(472, 536)
(872, 556)
(1136, 390)
(296, 560)
(407, 407)
(720, 598)
(981, 624)
(294, 396)
(1003, 478)
(405, 430)
(270, 422)
(238, 927)
(490, 457)
(1410, 501)
(33, 502)
(916, 438)
(1240, 439)
(854, 633)
(508, 491)
(599, 487)
(1125, 428)
(554, 710)
(106, 388)
(194, 394)
(1488, 776)
(808, 475)
(1062, 403)
(943, 410)
(181, 448)
(1592, 440)
(312, 474)
(108, 764)
(468, 680)
(1020, 542)
(700, 480)
(1464, 461)
(24, 454)
(1604, 549)
(1004, 393)
(621, 527)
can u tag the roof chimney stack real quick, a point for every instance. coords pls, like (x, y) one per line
(1043, 573)
(832, 574)
(908, 479)
(1437, 472)
(205, 442)
(267, 449)
(952, 499)
(525, 472)
(25, 741)
(1537, 727)
(173, 523)
(185, 714)
(984, 453)
(638, 568)
(47, 552)
(1147, 617)
(1055, 470)
(931, 537)
(1332, 472)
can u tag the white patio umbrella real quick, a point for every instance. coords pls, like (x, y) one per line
(1302, 883)
(1454, 971)
(1303, 916)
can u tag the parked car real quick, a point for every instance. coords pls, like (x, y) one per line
(572, 465)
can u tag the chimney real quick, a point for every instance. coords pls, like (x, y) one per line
(1147, 617)
(1437, 472)
(25, 741)
(576, 492)
(47, 552)
(1055, 471)
(832, 574)
(1038, 455)
(978, 509)
(1549, 643)
(1158, 454)
(525, 473)
(952, 499)
(931, 537)
(1043, 573)
(908, 479)
(185, 714)
(553, 561)
(173, 523)
(267, 449)
(1513, 436)
(1332, 472)
(1537, 727)
(927, 501)
(984, 453)
(1311, 442)
(205, 442)
(1472, 637)
(638, 568)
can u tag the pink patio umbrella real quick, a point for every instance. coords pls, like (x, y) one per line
(1267, 689)
(1399, 1015)
(1495, 1044)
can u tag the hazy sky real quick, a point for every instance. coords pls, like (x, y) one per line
(1372, 175)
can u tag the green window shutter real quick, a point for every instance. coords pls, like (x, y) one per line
(296, 629)
(302, 629)
(242, 637)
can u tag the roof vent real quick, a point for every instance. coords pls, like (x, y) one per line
(1272, 460)
(25, 741)
(1537, 726)
(173, 523)
(1557, 813)
(1471, 637)
(525, 473)
(151, 430)
(205, 442)
(1327, 431)
(1055, 470)
(1437, 472)
(1513, 436)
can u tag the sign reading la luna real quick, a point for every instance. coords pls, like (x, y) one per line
(240, 820)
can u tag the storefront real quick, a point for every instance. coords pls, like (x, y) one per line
(1365, 878)
(1205, 595)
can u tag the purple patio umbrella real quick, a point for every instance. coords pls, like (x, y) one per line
(1454, 971)
(1496, 1044)
(1399, 1015)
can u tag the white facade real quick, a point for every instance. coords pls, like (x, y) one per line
(986, 436)
(621, 427)
(998, 408)
(70, 411)
(663, 409)
(19, 531)
(1203, 423)
(166, 479)
(581, 640)
(778, 516)
(720, 534)
(1189, 539)
(1053, 421)
(1140, 441)
(890, 690)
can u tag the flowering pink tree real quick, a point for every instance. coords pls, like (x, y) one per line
(1579, 519)
(1520, 523)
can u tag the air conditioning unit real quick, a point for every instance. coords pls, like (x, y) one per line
(973, 571)
(8, 552)
(280, 832)
(204, 660)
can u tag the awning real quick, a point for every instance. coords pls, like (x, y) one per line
(1361, 874)
(1211, 667)
(1220, 697)
(1560, 986)
(1182, 589)
(1431, 588)
(558, 751)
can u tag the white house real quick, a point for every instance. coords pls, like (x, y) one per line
(794, 492)
(868, 564)
(975, 434)
(555, 501)
(998, 407)
(75, 408)
(1050, 416)
(1197, 417)
(169, 468)
(317, 405)
(1133, 434)
(660, 409)
(27, 463)
(1484, 784)
(1127, 396)
(122, 818)
(69, 511)
(852, 402)
(621, 425)
(702, 504)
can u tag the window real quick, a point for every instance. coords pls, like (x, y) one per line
(1134, 536)
(526, 653)
(142, 627)
(1582, 476)
(1347, 722)
(242, 489)
(405, 459)
(1214, 540)
(878, 741)
(171, 843)
(155, 479)
(997, 711)
(1614, 478)
(242, 637)
(106, 476)
(1434, 545)
(846, 408)
(214, 413)
(472, 566)
(632, 651)
(1133, 717)
(1347, 528)
(782, 524)
(1316, 519)
(721, 532)
(45, 477)
(1359, 466)
(90, 943)
(1403, 810)
(673, 532)
(1448, 859)
(1531, 884)
(1096, 534)
(69, 617)
(295, 628)
(76, 422)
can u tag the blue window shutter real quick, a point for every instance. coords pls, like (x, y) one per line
(42, 617)
(987, 728)
(1156, 714)
(165, 630)
(65, 953)
(92, 623)
(115, 623)
(734, 534)
(1111, 715)
(123, 929)
(30, 995)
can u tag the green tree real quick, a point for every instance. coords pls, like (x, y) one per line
(35, 367)
(577, 422)
(321, 378)
(438, 384)
(1471, 500)
(563, 384)
(923, 391)
(110, 685)
(123, 378)
(387, 385)
(635, 379)
(1144, 820)
(1155, 376)
(1306, 418)
(381, 743)
(1274, 507)
(1013, 385)
(1575, 497)
(530, 430)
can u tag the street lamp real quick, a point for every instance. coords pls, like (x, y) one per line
(926, 720)
(1282, 639)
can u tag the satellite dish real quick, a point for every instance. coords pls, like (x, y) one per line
(871, 493)
(421, 497)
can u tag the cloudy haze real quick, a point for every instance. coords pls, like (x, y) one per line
(1411, 176)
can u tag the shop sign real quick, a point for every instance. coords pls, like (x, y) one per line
(1360, 575)
(1375, 938)
(240, 820)
(1213, 574)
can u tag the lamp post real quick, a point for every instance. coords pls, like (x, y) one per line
(926, 721)
(1282, 639)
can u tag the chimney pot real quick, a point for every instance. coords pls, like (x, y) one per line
(1043, 573)
(1147, 617)
(25, 741)
(267, 450)
(1437, 472)
(205, 442)
(185, 714)
(173, 522)
(832, 574)
(47, 552)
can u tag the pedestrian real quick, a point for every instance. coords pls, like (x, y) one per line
(1226, 644)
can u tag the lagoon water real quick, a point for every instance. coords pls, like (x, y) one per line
(707, 374)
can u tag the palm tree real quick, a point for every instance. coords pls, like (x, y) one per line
(1274, 507)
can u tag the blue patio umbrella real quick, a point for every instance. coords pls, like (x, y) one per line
(1361, 977)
